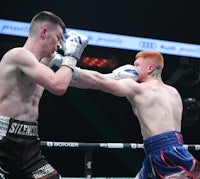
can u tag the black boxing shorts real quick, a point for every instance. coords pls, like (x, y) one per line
(20, 154)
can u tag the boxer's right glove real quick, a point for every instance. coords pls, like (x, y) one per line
(125, 71)
(56, 63)
(73, 45)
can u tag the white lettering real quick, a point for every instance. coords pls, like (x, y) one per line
(65, 144)
(23, 129)
(12, 128)
(43, 171)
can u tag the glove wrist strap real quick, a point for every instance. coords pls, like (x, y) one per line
(76, 73)
(70, 62)
(110, 75)
(70, 55)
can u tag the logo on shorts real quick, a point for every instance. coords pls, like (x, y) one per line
(46, 170)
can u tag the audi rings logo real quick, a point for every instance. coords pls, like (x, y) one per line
(147, 45)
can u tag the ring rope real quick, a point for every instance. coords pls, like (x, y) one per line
(54, 144)
(91, 146)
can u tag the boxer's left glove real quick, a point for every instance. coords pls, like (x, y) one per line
(73, 45)
(56, 61)
(125, 71)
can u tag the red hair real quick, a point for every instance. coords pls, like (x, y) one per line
(155, 56)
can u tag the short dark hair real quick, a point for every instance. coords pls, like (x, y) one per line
(48, 16)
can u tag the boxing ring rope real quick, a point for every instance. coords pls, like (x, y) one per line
(92, 146)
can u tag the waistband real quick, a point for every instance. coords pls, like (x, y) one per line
(162, 141)
(14, 127)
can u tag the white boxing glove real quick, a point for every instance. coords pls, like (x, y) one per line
(56, 61)
(125, 71)
(73, 45)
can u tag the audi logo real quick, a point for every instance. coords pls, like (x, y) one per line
(148, 45)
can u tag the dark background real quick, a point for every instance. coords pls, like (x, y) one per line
(94, 116)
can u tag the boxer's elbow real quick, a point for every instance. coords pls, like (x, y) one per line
(59, 90)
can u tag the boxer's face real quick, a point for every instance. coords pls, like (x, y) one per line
(141, 67)
(51, 36)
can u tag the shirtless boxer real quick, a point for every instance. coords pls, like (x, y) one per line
(158, 108)
(23, 78)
